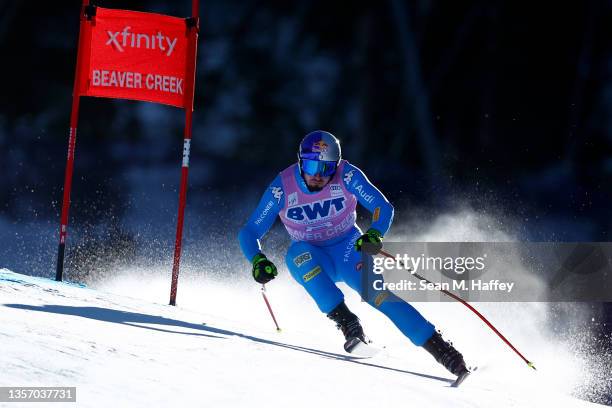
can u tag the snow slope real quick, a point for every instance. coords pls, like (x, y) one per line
(121, 345)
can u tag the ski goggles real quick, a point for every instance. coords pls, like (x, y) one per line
(322, 168)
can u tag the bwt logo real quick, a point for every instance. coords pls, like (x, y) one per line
(123, 39)
(314, 211)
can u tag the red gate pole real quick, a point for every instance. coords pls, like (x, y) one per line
(74, 119)
(193, 37)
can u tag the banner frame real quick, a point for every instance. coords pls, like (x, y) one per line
(88, 13)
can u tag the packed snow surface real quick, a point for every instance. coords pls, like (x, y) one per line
(121, 344)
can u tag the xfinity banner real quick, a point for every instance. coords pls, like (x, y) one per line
(135, 55)
(490, 272)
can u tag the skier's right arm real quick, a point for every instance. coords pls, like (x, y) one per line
(261, 220)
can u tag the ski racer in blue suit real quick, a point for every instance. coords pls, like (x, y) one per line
(316, 200)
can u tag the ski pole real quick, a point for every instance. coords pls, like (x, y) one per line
(263, 293)
(466, 304)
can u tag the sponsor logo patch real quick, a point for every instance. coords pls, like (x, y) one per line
(277, 192)
(265, 211)
(312, 273)
(292, 199)
(186, 149)
(318, 210)
(376, 214)
(335, 190)
(381, 298)
(350, 247)
(315, 227)
(301, 259)
(368, 198)
(348, 177)
(320, 146)
(120, 40)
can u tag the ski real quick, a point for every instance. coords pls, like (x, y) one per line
(461, 378)
(356, 347)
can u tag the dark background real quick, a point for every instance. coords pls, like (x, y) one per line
(489, 99)
(502, 106)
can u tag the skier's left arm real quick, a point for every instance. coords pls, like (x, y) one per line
(370, 197)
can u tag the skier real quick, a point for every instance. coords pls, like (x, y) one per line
(315, 199)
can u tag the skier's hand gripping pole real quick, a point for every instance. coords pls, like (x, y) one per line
(263, 272)
(466, 304)
(263, 269)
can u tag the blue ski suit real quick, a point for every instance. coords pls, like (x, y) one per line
(317, 266)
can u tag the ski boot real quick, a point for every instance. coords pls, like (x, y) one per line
(349, 324)
(448, 356)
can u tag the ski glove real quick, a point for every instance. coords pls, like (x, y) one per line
(263, 270)
(372, 237)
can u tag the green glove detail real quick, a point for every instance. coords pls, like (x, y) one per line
(372, 237)
(263, 269)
